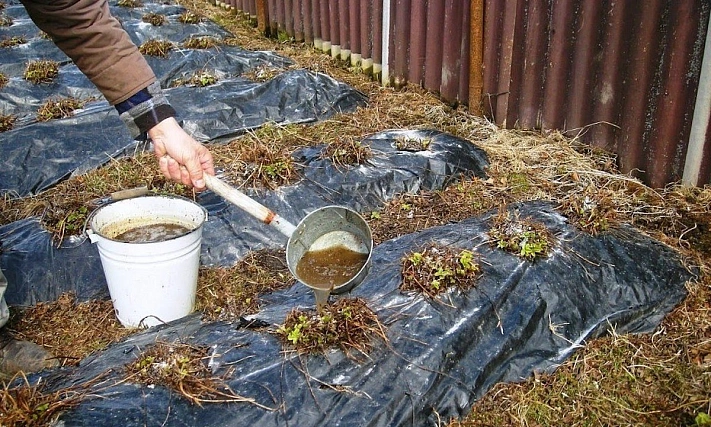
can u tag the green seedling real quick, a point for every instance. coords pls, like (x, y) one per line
(702, 419)
(42, 71)
(203, 79)
(275, 170)
(283, 37)
(347, 324)
(525, 238)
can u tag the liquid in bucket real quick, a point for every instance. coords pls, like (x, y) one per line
(151, 233)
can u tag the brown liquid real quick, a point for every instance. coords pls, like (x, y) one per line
(151, 233)
(329, 268)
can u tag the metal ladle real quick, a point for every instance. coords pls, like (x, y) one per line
(322, 229)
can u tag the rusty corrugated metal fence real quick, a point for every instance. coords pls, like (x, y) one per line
(618, 74)
(623, 75)
(398, 41)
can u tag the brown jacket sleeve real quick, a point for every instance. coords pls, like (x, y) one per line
(86, 32)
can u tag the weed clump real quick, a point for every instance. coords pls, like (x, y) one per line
(158, 48)
(182, 368)
(12, 41)
(7, 122)
(434, 269)
(188, 17)
(262, 73)
(348, 324)
(412, 144)
(199, 78)
(347, 151)
(42, 71)
(58, 109)
(154, 19)
(592, 211)
(129, 3)
(3, 80)
(266, 166)
(201, 42)
(523, 237)
(5, 21)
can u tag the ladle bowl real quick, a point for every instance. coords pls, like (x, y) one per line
(322, 229)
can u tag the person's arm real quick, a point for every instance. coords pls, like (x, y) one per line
(86, 32)
(180, 157)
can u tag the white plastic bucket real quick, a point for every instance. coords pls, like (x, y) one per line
(149, 283)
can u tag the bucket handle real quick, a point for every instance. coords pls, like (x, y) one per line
(76, 241)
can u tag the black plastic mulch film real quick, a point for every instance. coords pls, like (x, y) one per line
(521, 317)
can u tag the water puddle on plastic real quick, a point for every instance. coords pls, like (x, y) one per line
(151, 233)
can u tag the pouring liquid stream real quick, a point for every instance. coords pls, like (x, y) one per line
(325, 269)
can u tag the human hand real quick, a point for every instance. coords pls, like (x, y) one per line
(180, 157)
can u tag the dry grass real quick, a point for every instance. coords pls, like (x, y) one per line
(7, 122)
(28, 404)
(154, 19)
(77, 329)
(656, 379)
(12, 41)
(201, 42)
(230, 293)
(159, 48)
(261, 159)
(189, 17)
(261, 73)
(184, 369)
(347, 151)
(129, 3)
(59, 108)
